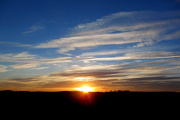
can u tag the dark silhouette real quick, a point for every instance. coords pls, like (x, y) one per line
(92, 103)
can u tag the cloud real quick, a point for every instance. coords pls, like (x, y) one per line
(7, 85)
(116, 77)
(15, 44)
(150, 86)
(22, 60)
(133, 76)
(17, 57)
(25, 60)
(129, 55)
(158, 78)
(23, 55)
(3, 68)
(56, 60)
(152, 55)
(34, 28)
(121, 71)
(75, 84)
(96, 74)
(67, 44)
(25, 80)
(137, 28)
(127, 21)
(62, 84)
(40, 68)
(124, 54)
(25, 65)
(102, 53)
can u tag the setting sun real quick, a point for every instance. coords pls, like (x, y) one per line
(85, 89)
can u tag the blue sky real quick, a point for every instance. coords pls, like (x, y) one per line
(50, 45)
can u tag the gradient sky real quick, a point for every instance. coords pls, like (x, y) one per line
(51, 45)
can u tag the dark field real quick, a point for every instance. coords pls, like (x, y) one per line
(123, 103)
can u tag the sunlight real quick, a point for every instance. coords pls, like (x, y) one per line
(83, 78)
(85, 89)
(80, 78)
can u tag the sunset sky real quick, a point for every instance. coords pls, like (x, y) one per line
(54, 45)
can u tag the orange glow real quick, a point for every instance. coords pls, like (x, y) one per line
(85, 89)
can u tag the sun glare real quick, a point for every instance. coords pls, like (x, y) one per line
(85, 89)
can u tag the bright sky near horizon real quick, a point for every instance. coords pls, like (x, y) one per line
(50, 45)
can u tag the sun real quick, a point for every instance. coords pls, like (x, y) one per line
(85, 89)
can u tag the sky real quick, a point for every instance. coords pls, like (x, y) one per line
(60, 45)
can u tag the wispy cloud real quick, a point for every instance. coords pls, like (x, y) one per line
(139, 28)
(14, 44)
(3, 68)
(121, 50)
(148, 75)
(102, 53)
(67, 44)
(119, 76)
(118, 72)
(25, 60)
(16, 57)
(127, 21)
(34, 28)
(131, 56)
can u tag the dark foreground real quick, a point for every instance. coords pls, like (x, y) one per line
(122, 103)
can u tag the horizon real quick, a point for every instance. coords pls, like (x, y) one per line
(51, 45)
(110, 91)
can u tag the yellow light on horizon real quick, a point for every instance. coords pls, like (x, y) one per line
(80, 78)
(85, 89)
(83, 78)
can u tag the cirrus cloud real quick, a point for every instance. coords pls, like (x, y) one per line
(3, 68)
(137, 28)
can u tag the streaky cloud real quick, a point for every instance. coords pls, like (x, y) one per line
(25, 60)
(127, 21)
(34, 28)
(131, 75)
(132, 56)
(140, 28)
(16, 44)
(3, 68)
